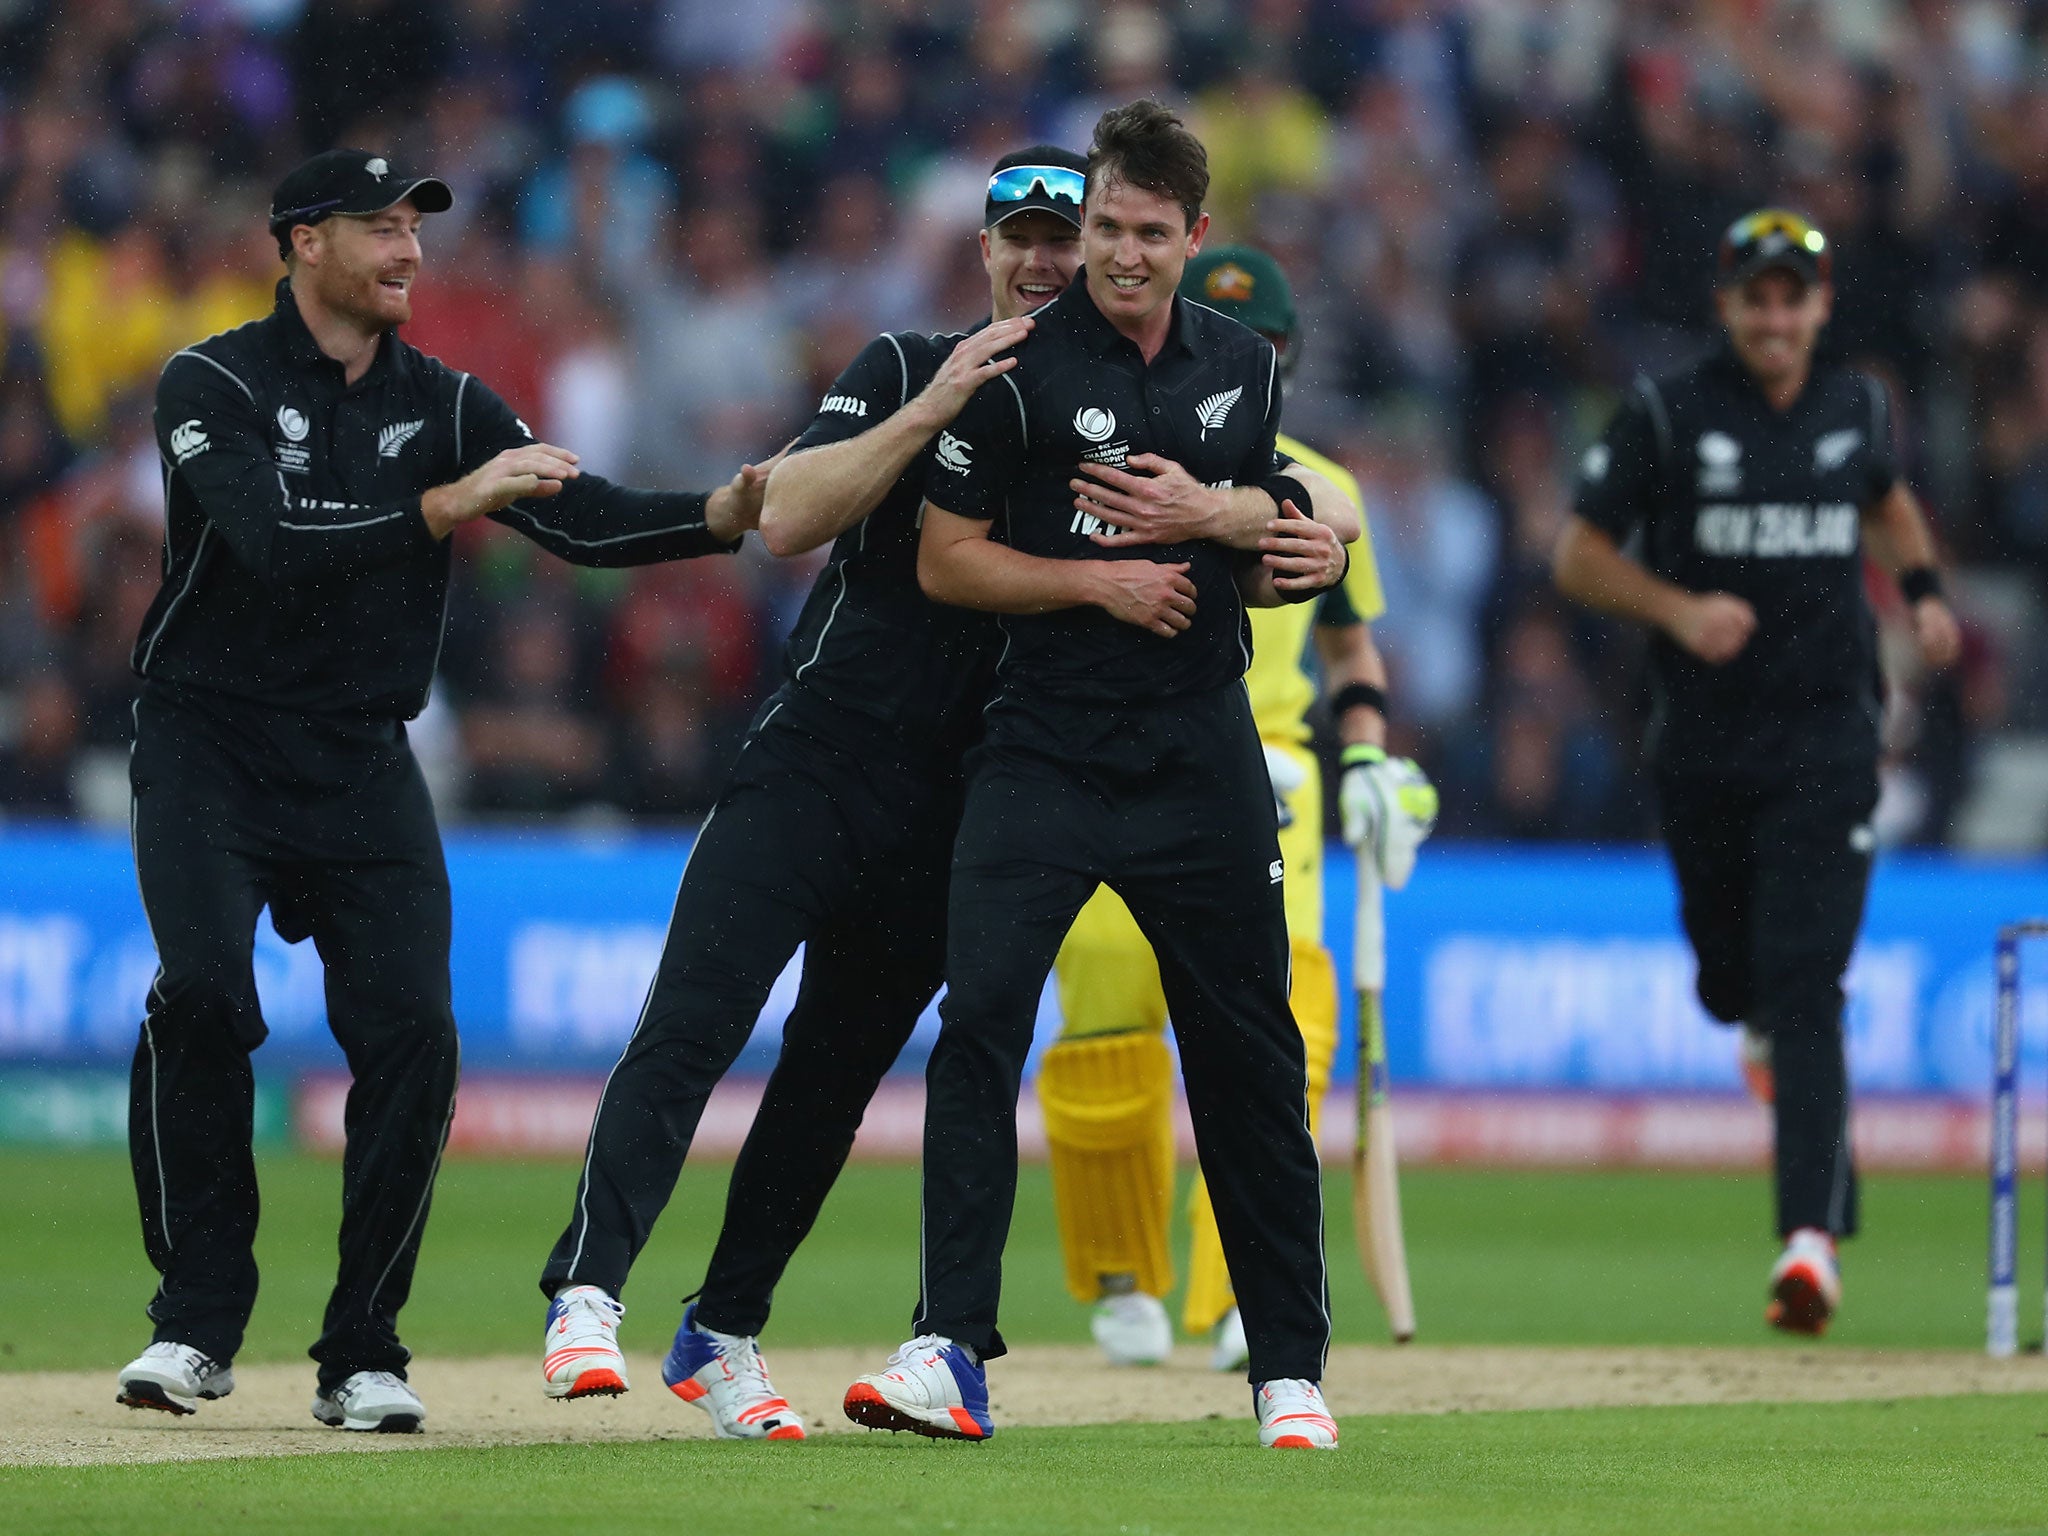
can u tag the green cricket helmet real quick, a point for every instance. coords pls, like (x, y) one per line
(1246, 284)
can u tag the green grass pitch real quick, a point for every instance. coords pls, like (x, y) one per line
(1497, 1257)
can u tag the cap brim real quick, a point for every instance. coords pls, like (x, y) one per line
(430, 194)
(999, 213)
(1800, 266)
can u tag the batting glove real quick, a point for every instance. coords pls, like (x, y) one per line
(1389, 807)
(1287, 775)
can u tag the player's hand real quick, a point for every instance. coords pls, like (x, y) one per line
(1940, 637)
(970, 365)
(1302, 554)
(1714, 626)
(530, 470)
(735, 506)
(1153, 596)
(1389, 807)
(1161, 504)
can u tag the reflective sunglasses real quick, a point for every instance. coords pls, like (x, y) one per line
(1772, 235)
(1015, 184)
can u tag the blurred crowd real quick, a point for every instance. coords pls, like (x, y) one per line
(677, 219)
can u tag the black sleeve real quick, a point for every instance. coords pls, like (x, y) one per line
(1263, 460)
(1881, 470)
(590, 521)
(1617, 486)
(972, 464)
(211, 435)
(875, 385)
(1334, 609)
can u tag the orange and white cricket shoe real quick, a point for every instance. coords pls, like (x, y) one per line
(1293, 1416)
(724, 1374)
(581, 1350)
(932, 1387)
(1806, 1287)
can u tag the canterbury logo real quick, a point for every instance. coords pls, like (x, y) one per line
(1212, 411)
(396, 436)
(187, 440)
(953, 453)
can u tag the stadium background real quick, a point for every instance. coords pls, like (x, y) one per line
(675, 222)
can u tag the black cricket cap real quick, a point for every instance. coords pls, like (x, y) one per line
(348, 181)
(1013, 188)
(1773, 237)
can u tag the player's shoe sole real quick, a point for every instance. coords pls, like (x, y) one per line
(150, 1394)
(866, 1405)
(598, 1381)
(1798, 1303)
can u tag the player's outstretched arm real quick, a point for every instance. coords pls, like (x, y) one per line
(818, 492)
(1589, 568)
(958, 563)
(1897, 532)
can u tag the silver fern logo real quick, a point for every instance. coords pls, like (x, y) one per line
(1212, 411)
(396, 436)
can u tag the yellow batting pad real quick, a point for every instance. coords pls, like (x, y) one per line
(1108, 980)
(1108, 1107)
(1314, 1001)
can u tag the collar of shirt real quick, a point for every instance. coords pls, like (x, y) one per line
(1094, 331)
(304, 352)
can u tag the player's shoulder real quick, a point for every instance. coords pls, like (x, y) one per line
(1211, 331)
(1843, 388)
(242, 356)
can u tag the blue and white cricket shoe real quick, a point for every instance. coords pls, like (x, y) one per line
(932, 1387)
(724, 1374)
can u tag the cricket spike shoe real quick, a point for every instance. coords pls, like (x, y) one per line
(1806, 1287)
(581, 1345)
(376, 1402)
(932, 1387)
(175, 1378)
(1133, 1329)
(724, 1374)
(1293, 1416)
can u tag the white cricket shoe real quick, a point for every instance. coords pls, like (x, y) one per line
(1133, 1329)
(374, 1401)
(724, 1374)
(1293, 1416)
(1230, 1351)
(174, 1378)
(581, 1345)
(1806, 1287)
(932, 1387)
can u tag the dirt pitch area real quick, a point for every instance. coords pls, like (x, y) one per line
(71, 1419)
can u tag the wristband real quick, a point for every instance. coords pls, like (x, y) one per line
(1287, 488)
(1921, 581)
(1358, 696)
(1362, 751)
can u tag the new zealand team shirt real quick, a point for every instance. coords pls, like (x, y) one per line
(868, 639)
(298, 571)
(1728, 494)
(1083, 393)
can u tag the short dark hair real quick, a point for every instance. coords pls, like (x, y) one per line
(1147, 146)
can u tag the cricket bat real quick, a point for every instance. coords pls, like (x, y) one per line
(1375, 1173)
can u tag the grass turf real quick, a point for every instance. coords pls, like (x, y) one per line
(1948, 1465)
(1497, 1257)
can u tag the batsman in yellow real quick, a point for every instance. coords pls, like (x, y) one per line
(1106, 1086)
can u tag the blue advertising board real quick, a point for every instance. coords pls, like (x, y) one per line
(1507, 968)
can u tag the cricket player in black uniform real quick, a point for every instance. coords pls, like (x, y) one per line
(314, 466)
(1120, 749)
(835, 832)
(1752, 484)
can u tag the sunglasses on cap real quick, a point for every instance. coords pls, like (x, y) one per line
(1773, 237)
(1015, 184)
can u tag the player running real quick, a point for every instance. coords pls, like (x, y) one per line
(1106, 1087)
(835, 831)
(1755, 481)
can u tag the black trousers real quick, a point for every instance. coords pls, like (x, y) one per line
(827, 834)
(336, 834)
(1772, 874)
(1170, 805)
